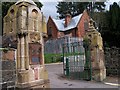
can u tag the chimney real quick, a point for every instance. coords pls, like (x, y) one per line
(67, 19)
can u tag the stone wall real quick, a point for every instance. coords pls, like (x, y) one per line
(8, 70)
(112, 56)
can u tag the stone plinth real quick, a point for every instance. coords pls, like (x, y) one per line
(28, 80)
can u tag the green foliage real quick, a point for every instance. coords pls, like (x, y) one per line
(109, 25)
(52, 58)
(100, 6)
(101, 21)
(75, 8)
(79, 7)
(39, 4)
(63, 8)
(114, 17)
(112, 35)
(5, 7)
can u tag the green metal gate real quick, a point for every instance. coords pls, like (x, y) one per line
(76, 60)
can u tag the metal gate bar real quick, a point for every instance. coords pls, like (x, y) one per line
(76, 61)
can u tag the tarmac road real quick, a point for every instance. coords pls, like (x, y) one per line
(55, 71)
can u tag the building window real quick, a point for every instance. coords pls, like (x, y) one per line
(86, 26)
(50, 31)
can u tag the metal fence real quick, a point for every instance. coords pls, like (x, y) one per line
(76, 61)
(75, 56)
(54, 46)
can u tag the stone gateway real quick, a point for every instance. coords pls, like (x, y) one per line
(26, 24)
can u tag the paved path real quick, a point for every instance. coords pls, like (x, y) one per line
(56, 81)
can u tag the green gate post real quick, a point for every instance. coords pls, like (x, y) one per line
(88, 58)
(89, 61)
(67, 67)
(63, 60)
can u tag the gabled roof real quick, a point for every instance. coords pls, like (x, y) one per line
(73, 23)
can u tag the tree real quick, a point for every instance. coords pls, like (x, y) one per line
(99, 6)
(101, 21)
(63, 8)
(39, 4)
(79, 7)
(75, 8)
(112, 35)
(114, 17)
(5, 7)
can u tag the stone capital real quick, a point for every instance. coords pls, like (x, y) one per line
(21, 34)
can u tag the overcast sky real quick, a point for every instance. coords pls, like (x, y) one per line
(49, 7)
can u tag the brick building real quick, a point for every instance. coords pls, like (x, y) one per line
(69, 26)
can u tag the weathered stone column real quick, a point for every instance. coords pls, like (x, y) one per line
(18, 55)
(42, 42)
(22, 57)
(97, 53)
(26, 53)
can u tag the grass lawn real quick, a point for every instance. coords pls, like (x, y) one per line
(52, 58)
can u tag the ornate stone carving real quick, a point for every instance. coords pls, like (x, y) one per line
(35, 37)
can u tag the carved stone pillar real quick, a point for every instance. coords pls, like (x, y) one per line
(29, 30)
(97, 53)
(26, 53)
(22, 57)
(18, 55)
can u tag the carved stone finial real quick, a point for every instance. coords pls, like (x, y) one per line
(91, 22)
(91, 25)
